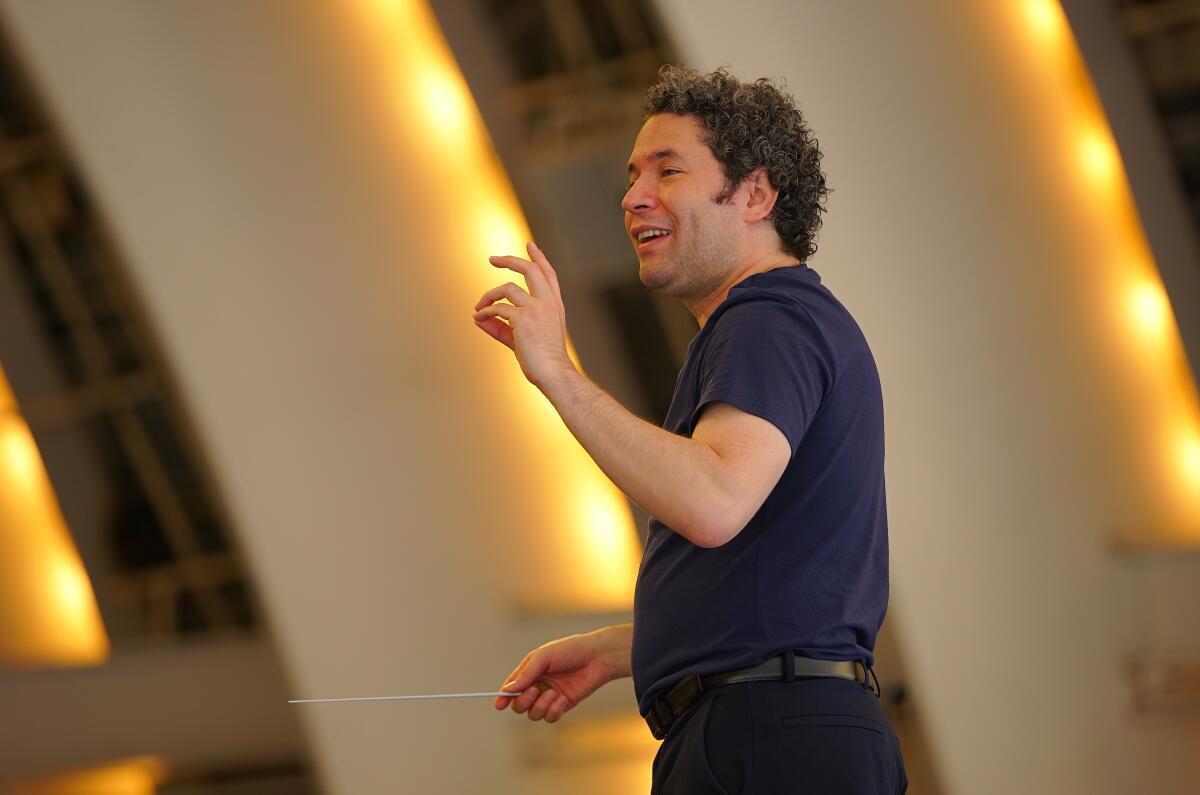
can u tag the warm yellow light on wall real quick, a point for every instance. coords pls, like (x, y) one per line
(138, 776)
(589, 547)
(1149, 309)
(432, 97)
(603, 510)
(1098, 156)
(20, 459)
(1189, 459)
(48, 613)
(1152, 374)
(1045, 18)
(384, 9)
(622, 742)
(444, 100)
(499, 229)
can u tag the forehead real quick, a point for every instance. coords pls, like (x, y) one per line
(668, 133)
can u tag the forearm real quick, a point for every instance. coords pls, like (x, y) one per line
(681, 481)
(617, 645)
(676, 479)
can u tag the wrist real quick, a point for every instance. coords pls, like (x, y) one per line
(616, 643)
(559, 380)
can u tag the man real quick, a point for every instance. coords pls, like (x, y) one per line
(764, 578)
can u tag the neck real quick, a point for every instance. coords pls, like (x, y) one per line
(703, 307)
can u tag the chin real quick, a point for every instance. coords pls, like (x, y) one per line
(654, 278)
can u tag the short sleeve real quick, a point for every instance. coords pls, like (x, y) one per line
(767, 358)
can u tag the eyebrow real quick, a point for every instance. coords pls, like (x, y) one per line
(654, 157)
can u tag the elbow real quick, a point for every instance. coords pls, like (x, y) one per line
(715, 527)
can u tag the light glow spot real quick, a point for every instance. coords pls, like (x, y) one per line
(48, 614)
(1149, 308)
(503, 233)
(444, 98)
(1045, 18)
(605, 539)
(384, 8)
(1098, 156)
(73, 590)
(21, 463)
(1189, 459)
(137, 776)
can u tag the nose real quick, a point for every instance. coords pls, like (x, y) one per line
(640, 196)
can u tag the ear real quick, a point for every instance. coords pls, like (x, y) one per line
(760, 195)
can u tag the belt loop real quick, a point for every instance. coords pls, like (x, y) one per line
(789, 665)
(878, 689)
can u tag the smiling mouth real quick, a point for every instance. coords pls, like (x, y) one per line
(649, 242)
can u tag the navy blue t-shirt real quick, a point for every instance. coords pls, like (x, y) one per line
(810, 570)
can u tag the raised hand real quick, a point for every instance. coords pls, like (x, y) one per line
(533, 323)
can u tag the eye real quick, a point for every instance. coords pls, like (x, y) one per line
(668, 171)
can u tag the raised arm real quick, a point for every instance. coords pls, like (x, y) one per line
(706, 488)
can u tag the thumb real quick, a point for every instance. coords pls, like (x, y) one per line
(529, 669)
(521, 679)
(526, 675)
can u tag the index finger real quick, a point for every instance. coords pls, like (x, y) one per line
(539, 258)
(532, 273)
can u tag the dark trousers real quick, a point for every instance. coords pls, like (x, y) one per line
(819, 736)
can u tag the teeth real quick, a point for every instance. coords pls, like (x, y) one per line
(649, 233)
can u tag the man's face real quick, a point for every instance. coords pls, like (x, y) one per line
(686, 243)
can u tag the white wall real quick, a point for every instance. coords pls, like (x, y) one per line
(1014, 435)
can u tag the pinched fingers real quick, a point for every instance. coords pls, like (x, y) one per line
(497, 329)
(509, 291)
(534, 277)
(536, 698)
(506, 311)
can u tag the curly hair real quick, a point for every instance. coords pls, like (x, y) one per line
(749, 126)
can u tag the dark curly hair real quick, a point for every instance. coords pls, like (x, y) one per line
(749, 126)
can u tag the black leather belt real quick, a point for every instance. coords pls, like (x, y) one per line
(668, 708)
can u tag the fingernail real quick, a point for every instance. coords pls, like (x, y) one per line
(510, 686)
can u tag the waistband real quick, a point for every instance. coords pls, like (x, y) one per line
(783, 667)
